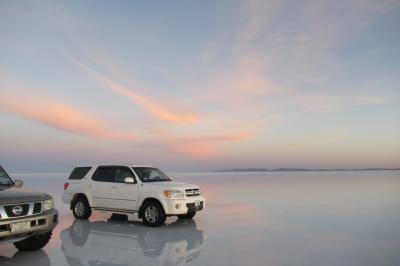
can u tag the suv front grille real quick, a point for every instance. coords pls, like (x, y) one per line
(192, 192)
(17, 210)
(21, 209)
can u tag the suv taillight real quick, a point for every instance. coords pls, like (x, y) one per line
(66, 185)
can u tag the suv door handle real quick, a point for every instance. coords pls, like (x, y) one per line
(89, 185)
(113, 187)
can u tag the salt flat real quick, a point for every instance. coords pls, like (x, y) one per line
(285, 218)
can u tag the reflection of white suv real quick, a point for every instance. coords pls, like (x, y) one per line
(115, 242)
(130, 189)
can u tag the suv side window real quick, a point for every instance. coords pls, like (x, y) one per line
(114, 174)
(121, 173)
(104, 174)
(79, 173)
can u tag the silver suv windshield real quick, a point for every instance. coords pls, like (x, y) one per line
(150, 174)
(5, 180)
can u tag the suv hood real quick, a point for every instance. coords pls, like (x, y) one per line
(7, 197)
(171, 184)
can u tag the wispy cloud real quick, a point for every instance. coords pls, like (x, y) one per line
(53, 113)
(205, 145)
(202, 147)
(274, 64)
(199, 146)
(154, 108)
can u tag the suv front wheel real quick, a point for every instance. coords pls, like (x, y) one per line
(81, 209)
(153, 214)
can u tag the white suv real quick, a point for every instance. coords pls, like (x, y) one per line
(130, 189)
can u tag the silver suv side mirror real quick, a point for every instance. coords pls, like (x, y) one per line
(18, 183)
(129, 180)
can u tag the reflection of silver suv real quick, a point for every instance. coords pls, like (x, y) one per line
(126, 243)
(26, 218)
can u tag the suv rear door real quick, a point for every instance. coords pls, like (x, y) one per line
(100, 187)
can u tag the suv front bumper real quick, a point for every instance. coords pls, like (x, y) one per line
(37, 224)
(184, 206)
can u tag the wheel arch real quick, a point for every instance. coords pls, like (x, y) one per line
(151, 198)
(81, 194)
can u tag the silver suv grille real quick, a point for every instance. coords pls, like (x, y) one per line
(192, 192)
(17, 210)
(21, 209)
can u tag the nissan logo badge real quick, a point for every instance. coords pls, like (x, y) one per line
(17, 210)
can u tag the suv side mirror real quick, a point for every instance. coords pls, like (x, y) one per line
(18, 183)
(129, 180)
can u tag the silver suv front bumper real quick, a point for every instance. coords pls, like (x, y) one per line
(36, 224)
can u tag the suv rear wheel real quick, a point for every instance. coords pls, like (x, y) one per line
(34, 242)
(153, 214)
(81, 209)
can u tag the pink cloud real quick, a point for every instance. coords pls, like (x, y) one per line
(154, 108)
(50, 112)
(200, 146)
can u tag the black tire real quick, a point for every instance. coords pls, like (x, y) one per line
(80, 208)
(189, 215)
(153, 213)
(34, 242)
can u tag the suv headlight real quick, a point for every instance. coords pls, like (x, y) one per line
(173, 194)
(48, 205)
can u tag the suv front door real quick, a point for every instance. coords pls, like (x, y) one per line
(124, 195)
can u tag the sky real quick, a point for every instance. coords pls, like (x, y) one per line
(199, 85)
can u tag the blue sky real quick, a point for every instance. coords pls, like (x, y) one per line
(199, 85)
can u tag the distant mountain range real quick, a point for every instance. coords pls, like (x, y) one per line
(304, 169)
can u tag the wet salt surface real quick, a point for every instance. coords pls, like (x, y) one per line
(302, 218)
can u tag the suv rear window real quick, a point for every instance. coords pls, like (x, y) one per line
(79, 173)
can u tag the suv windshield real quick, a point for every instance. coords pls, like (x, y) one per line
(150, 174)
(5, 180)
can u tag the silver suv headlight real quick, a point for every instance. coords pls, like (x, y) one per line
(173, 194)
(48, 205)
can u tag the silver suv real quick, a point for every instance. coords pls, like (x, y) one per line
(27, 219)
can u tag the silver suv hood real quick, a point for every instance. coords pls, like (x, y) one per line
(13, 196)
